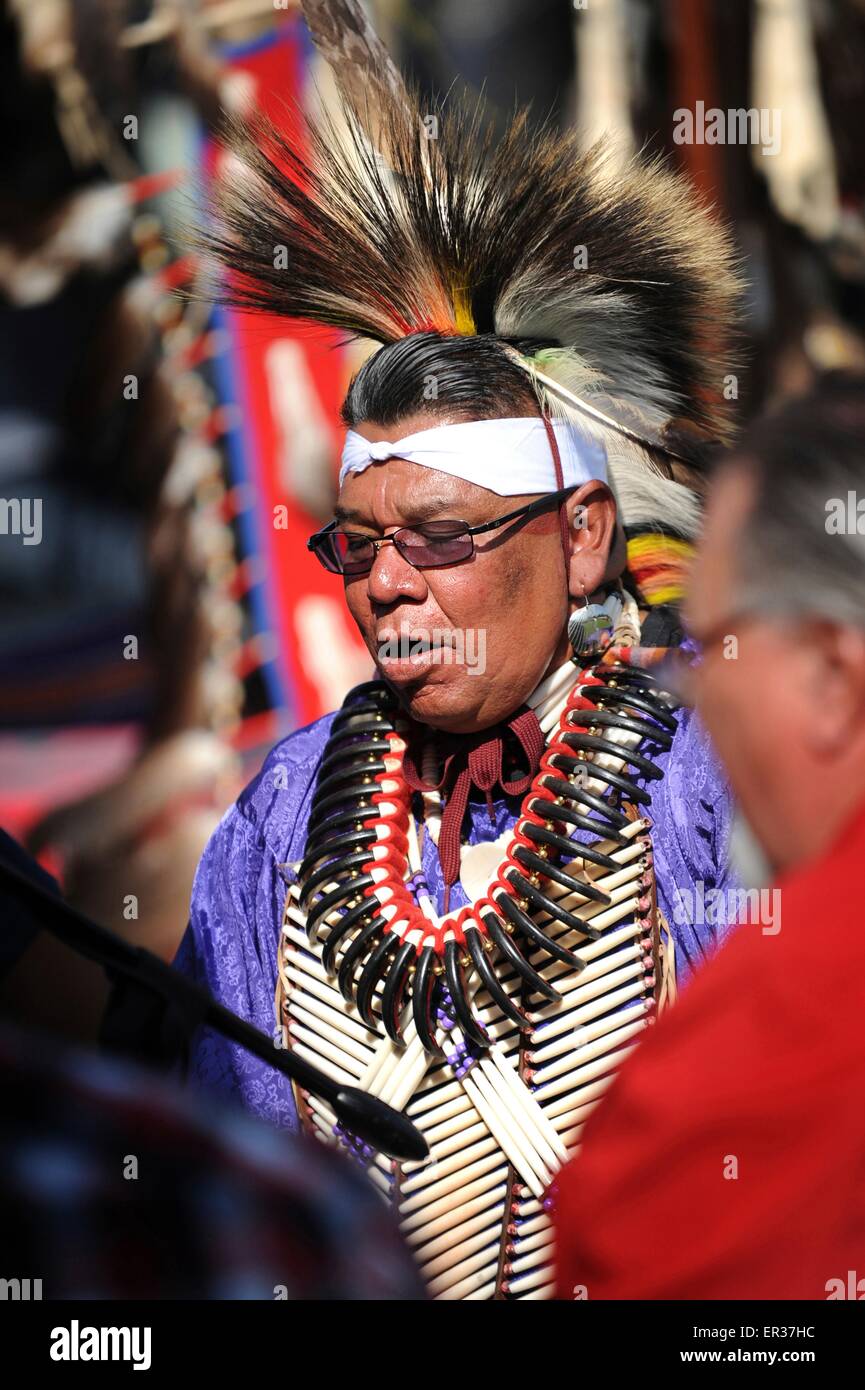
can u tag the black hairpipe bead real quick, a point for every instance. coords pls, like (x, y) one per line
(575, 848)
(352, 752)
(353, 954)
(338, 845)
(323, 808)
(655, 708)
(349, 748)
(605, 774)
(511, 909)
(372, 702)
(499, 996)
(566, 815)
(423, 988)
(357, 792)
(607, 719)
(371, 974)
(323, 906)
(587, 930)
(332, 869)
(580, 796)
(352, 917)
(349, 773)
(351, 768)
(329, 834)
(536, 864)
(586, 718)
(352, 816)
(543, 903)
(592, 743)
(373, 689)
(502, 940)
(393, 993)
(361, 709)
(627, 675)
(629, 789)
(661, 700)
(345, 739)
(472, 1028)
(356, 724)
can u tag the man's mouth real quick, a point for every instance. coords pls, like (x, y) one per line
(407, 643)
(407, 654)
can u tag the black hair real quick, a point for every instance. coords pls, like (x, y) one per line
(442, 374)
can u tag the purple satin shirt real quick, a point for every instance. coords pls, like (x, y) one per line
(230, 945)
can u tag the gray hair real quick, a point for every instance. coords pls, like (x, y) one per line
(803, 547)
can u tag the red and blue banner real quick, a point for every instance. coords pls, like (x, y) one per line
(287, 380)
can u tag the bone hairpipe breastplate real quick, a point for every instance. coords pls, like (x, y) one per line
(499, 1027)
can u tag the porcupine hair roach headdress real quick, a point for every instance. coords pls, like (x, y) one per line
(517, 272)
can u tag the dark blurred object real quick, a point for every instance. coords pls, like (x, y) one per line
(166, 1008)
(516, 50)
(43, 984)
(20, 922)
(115, 1185)
(117, 606)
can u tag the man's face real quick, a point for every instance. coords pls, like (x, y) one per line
(749, 688)
(500, 613)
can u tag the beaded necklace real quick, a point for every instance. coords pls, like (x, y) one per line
(497, 1028)
(361, 876)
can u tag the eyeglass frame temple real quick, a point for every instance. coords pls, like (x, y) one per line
(526, 510)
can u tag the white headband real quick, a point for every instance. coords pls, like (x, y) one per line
(508, 457)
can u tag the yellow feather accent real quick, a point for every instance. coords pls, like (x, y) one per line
(659, 564)
(462, 311)
(652, 542)
(673, 593)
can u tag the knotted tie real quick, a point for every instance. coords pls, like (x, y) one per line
(475, 760)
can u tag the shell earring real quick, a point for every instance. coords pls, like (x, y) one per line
(589, 627)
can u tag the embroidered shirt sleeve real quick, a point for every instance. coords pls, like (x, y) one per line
(231, 942)
(692, 812)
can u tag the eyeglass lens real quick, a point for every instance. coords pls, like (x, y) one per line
(440, 543)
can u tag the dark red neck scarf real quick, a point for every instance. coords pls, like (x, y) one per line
(474, 760)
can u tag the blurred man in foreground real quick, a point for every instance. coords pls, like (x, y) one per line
(729, 1158)
(117, 1184)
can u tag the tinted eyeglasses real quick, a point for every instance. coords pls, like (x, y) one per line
(427, 545)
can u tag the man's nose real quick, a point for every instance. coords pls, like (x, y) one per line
(392, 577)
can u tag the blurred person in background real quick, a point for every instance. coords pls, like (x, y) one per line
(109, 621)
(729, 1158)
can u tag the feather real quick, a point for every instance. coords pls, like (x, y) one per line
(358, 60)
(624, 282)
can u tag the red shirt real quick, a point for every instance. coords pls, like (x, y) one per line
(728, 1159)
